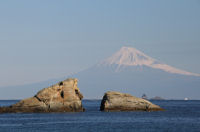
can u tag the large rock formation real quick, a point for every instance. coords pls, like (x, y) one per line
(61, 97)
(116, 101)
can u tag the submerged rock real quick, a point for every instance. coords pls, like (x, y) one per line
(116, 101)
(61, 97)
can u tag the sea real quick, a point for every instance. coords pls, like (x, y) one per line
(179, 116)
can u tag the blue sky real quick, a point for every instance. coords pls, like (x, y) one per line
(40, 40)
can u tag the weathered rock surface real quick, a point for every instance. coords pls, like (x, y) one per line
(116, 101)
(61, 97)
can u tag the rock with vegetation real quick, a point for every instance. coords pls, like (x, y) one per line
(116, 101)
(64, 96)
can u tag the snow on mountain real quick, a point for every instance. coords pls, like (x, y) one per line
(128, 56)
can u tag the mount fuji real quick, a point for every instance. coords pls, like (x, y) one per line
(128, 56)
(131, 71)
(128, 71)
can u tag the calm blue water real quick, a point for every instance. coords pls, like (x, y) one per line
(179, 116)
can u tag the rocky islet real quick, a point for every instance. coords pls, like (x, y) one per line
(116, 101)
(65, 96)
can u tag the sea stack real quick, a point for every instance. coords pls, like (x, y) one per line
(64, 96)
(116, 101)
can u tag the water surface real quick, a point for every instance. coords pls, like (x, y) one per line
(179, 116)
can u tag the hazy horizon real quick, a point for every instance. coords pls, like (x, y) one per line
(129, 71)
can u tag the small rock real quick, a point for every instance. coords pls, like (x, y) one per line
(116, 101)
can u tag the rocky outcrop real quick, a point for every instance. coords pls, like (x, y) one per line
(61, 97)
(116, 101)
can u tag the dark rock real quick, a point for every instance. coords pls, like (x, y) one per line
(157, 98)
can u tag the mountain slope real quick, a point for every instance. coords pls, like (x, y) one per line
(128, 56)
(127, 71)
(130, 70)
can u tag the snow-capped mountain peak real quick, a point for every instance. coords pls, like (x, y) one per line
(128, 56)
